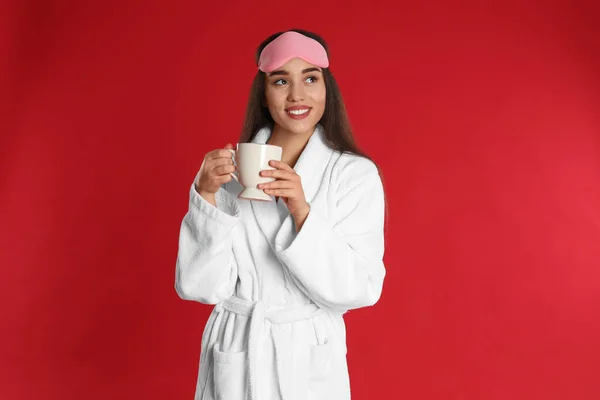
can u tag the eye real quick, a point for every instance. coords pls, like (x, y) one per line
(280, 82)
(312, 79)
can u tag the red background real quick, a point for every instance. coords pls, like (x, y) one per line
(484, 118)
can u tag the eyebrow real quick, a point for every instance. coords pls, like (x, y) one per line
(304, 71)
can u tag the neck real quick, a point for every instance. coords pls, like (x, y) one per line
(291, 143)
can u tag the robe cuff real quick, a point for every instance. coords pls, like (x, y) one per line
(227, 211)
(289, 243)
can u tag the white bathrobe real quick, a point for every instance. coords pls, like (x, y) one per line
(277, 328)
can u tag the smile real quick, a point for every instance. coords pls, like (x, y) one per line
(298, 113)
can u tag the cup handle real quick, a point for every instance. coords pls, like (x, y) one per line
(234, 174)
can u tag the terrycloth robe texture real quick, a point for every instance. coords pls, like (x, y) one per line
(277, 329)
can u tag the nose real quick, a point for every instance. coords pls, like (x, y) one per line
(296, 92)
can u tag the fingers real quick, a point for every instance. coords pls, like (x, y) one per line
(281, 192)
(280, 165)
(278, 185)
(280, 174)
(283, 171)
(224, 179)
(218, 157)
(215, 162)
(216, 169)
(221, 179)
(223, 169)
(219, 153)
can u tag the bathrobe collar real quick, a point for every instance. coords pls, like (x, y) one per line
(310, 166)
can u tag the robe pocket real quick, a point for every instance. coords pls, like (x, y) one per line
(321, 361)
(321, 383)
(229, 375)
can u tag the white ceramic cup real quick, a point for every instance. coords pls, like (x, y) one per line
(250, 159)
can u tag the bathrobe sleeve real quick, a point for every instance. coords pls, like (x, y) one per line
(338, 261)
(205, 270)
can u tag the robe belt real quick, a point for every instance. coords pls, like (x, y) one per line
(258, 313)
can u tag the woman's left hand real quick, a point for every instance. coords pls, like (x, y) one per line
(288, 186)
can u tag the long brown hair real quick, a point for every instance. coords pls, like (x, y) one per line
(335, 122)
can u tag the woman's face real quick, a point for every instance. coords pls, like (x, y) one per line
(295, 96)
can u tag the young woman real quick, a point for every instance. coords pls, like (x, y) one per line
(281, 274)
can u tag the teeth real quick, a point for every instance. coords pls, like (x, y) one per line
(298, 112)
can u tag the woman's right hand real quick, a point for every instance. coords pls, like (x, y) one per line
(215, 170)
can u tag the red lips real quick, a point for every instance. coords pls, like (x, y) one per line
(298, 112)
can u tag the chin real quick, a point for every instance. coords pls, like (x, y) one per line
(300, 127)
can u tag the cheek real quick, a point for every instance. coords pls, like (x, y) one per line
(274, 102)
(274, 99)
(319, 96)
(319, 100)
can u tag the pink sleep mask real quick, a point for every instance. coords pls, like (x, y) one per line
(291, 45)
